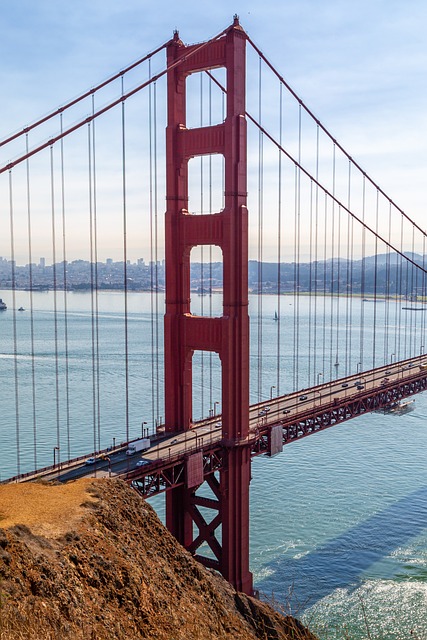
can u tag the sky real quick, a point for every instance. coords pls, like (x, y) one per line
(361, 67)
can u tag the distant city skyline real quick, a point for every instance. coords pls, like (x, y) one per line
(385, 274)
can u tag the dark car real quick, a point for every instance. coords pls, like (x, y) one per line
(303, 398)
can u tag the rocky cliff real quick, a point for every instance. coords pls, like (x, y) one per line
(91, 560)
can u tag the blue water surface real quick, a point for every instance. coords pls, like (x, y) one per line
(338, 520)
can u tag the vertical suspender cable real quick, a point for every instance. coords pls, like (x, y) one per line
(310, 369)
(260, 238)
(405, 276)
(32, 338)
(310, 291)
(297, 222)
(396, 298)
(397, 311)
(413, 296)
(332, 284)
(325, 278)
(125, 278)
(279, 244)
(351, 275)
(398, 352)
(55, 301)
(417, 275)
(349, 280)
(94, 282)
(154, 271)
(338, 279)
(362, 280)
(15, 334)
(64, 274)
(387, 293)
(95, 257)
(374, 338)
(92, 290)
(316, 253)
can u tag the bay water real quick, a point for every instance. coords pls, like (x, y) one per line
(338, 520)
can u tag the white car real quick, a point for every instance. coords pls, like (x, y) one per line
(90, 461)
(142, 463)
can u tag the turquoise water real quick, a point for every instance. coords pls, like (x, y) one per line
(338, 520)
(339, 526)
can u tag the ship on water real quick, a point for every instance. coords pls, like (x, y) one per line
(3, 305)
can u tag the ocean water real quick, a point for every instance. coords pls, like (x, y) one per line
(339, 527)
(338, 520)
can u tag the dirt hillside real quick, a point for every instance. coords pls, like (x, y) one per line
(90, 560)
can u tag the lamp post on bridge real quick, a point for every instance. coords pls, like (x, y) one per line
(359, 364)
(271, 391)
(319, 375)
(214, 407)
(392, 356)
(142, 429)
(55, 449)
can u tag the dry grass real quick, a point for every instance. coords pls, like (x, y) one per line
(49, 510)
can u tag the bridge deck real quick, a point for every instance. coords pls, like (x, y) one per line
(297, 414)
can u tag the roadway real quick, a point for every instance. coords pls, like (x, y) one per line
(208, 432)
(337, 391)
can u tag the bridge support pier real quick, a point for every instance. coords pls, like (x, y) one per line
(227, 335)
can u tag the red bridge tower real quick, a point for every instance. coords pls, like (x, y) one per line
(227, 335)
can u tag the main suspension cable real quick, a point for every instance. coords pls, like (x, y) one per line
(60, 110)
(329, 135)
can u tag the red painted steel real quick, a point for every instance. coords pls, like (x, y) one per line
(166, 473)
(229, 334)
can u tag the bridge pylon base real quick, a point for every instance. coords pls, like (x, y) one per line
(212, 520)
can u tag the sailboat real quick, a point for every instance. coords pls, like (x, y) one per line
(276, 317)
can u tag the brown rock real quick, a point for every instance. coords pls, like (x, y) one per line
(103, 567)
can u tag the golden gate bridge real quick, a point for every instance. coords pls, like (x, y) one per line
(247, 173)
